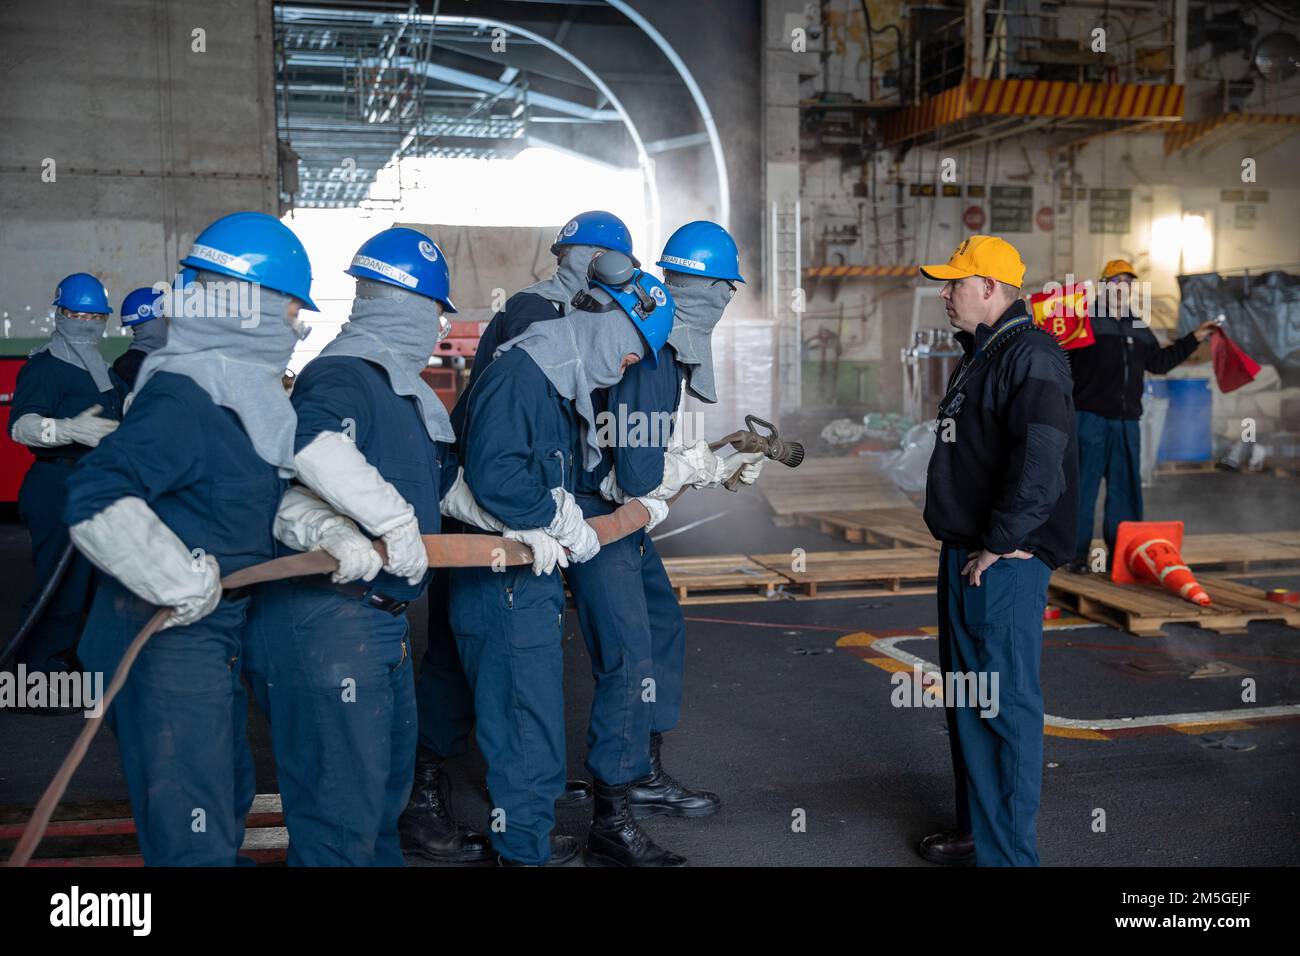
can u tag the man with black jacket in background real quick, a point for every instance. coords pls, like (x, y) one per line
(1108, 382)
(1000, 496)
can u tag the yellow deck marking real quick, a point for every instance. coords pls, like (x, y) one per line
(1207, 726)
(856, 639)
(1077, 733)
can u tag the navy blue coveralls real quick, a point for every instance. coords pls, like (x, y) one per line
(52, 388)
(1004, 483)
(630, 617)
(180, 718)
(331, 671)
(442, 694)
(517, 443)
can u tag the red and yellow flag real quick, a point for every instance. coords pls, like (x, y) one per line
(1063, 311)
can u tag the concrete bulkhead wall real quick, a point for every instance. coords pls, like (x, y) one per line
(154, 131)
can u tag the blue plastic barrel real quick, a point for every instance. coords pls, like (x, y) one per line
(1188, 429)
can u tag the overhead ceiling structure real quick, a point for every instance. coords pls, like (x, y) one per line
(361, 85)
(358, 89)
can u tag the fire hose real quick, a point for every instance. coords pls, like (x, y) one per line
(444, 551)
(42, 602)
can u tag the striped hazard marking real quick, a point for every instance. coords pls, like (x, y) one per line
(883, 650)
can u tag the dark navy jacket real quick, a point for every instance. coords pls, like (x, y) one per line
(1005, 471)
(353, 396)
(639, 410)
(193, 464)
(517, 441)
(52, 388)
(1109, 374)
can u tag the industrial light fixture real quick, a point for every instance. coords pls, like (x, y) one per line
(1182, 244)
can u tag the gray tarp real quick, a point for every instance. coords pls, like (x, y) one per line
(1262, 312)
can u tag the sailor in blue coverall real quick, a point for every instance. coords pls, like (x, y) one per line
(329, 659)
(529, 428)
(64, 404)
(446, 706)
(630, 617)
(185, 492)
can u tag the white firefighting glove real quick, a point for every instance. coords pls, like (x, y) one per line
(547, 552)
(84, 428)
(333, 467)
(695, 466)
(658, 511)
(358, 560)
(459, 503)
(570, 528)
(749, 473)
(748, 463)
(305, 523)
(130, 542)
(610, 490)
(406, 555)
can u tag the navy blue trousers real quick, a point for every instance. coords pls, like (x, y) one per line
(41, 500)
(1109, 448)
(180, 725)
(509, 626)
(334, 677)
(636, 639)
(442, 694)
(996, 629)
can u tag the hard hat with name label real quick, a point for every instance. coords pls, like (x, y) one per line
(257, 248)
(702, 248)
(407, 259)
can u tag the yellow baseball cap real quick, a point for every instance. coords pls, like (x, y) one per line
(1118, 267)
(981, 256)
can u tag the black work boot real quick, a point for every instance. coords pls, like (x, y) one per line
(616, 839)
(953, 848)
(660, 793)
(563, 849)
(427, 826)
(577, 793)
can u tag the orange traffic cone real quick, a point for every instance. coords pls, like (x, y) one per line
(1150, 551)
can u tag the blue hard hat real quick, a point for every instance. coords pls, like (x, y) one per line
(595, 228)
(140, 305)
(257, 248)
(702, 248)
(407, 259)
(82, 292)
(649, 305)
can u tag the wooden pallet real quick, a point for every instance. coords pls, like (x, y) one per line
(883, 527)
(1144, 609)
(1289, 538)
(826, 484)
(102, 833)
(1185, 467)
(1238, 552)
(724, 577)
(879, 571)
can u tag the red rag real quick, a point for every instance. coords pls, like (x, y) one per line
(1233, 368)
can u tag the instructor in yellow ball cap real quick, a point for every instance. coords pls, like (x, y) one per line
(1109, 377)
(1000, 496)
